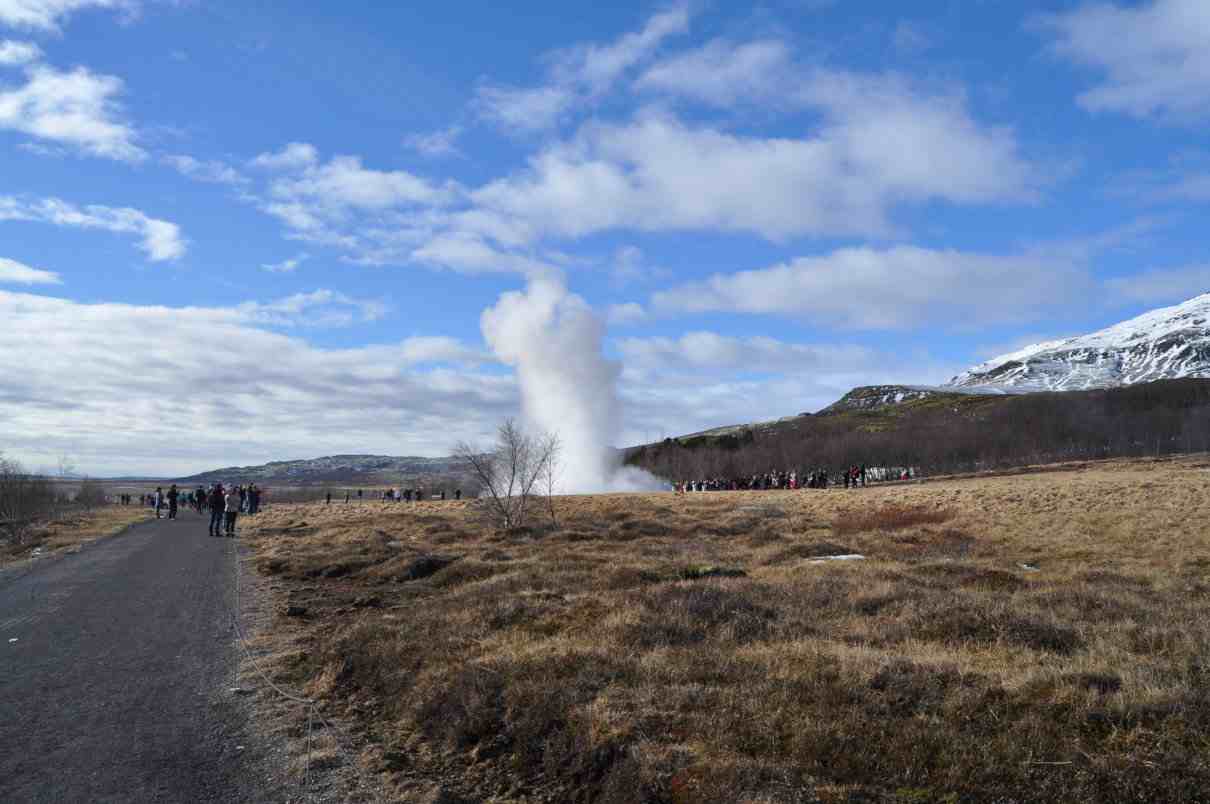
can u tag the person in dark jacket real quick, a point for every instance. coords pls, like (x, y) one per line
(174, 497)
(217, 503)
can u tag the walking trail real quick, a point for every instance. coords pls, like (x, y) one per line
(117, 686)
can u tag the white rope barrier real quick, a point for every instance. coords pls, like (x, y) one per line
(312, 705)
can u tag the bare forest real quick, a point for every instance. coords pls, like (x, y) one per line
(955, 433)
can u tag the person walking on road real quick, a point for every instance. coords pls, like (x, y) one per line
(158, 500)
(173, 498)
(232, 510)
(217, 504)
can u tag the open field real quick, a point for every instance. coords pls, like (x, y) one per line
(1037, 637)
(72, 529)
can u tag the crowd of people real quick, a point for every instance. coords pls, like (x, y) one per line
(224, 503)
(398, 495)
(855, 476)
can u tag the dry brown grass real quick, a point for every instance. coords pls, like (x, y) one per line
(1044, 640)
(889, 517)
(71, 530)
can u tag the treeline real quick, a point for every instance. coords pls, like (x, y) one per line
(27, 500)
(956, 433)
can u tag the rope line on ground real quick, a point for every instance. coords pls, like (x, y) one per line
(312, 705)
(305, 781)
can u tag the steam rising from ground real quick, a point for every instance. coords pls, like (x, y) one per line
(553, 339)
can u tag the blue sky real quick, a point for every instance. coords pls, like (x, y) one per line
(277, 228)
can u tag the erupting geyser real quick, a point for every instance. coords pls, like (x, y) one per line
(553, 339)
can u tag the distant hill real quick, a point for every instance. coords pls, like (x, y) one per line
(366, 470)
(947, 429)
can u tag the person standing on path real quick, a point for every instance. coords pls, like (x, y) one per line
(217, 503)
(232, 510)
(158, 500)
(173, 498)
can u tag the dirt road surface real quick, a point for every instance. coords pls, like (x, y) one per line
(116, 665)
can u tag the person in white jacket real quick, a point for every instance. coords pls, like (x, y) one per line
(231, 509)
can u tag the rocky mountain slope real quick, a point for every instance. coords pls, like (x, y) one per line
(1165, 344)
(873, 397)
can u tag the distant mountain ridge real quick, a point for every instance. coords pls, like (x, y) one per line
(1170, 343)
(1166, 344)
(367, 469)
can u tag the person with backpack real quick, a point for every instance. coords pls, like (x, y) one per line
(217, 502)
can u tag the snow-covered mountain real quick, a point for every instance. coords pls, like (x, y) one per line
(1164, 344)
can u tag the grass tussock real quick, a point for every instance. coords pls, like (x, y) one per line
(681, 649)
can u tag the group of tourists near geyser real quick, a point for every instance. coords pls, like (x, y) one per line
(855, 476)
(224, 504)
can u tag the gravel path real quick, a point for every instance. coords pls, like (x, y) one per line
(117, 686)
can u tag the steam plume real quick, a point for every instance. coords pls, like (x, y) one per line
(553, 340)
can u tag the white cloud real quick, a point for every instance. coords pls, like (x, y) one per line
(628, 264)
(45, 15)
(597, 67)
(376, 217)
(626, 313)
(20, 274)
(159, 239)
(1161, 285)
(286, 266)
(877, 143)
(712, 352)
(212, 171)
(467, 252)
(880, 141)
(521, 109)
(319, 308)
(435, 144)
(1155, 55)
(18, 53)
(440, 349)
(577, 75)
(344, 182)
(675, 386)
(882, 145)
(895, 288)
(293, 156)
(77, 109)
(87, 389)
(722, 73)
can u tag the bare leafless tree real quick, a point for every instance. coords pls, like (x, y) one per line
(91, 494)
(509, 471)
(552, 448)
(24, 498)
